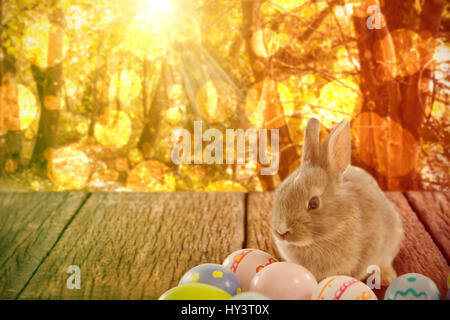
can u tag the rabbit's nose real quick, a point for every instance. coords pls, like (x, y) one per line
(283, 232)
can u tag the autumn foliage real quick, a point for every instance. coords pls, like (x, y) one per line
(91, 91)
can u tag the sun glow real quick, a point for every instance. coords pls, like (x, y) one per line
(157, 6)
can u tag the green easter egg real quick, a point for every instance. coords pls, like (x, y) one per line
(195, 291)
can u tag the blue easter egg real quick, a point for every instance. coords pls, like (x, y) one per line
(250, 295)
(412, 286)
(215, 275)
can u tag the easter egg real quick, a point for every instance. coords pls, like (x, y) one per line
(246, 263)
(284, 281)
(342, 288)
(447, 297)
(249, 295)
(215, 275)
(195, 291)
(412, 286)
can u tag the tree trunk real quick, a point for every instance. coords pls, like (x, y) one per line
(392, 109)
(96, 102)
(49, 85)
(10, 133)
(152, 114)
(269, 96)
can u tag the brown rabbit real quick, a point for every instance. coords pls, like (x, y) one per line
(331, 217)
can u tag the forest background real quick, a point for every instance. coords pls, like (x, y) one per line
(91, 91)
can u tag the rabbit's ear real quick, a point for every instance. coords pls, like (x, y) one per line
(311, 142)
(335, 152)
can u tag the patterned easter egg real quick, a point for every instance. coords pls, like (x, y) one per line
(284, 281)
(195, 291)
(342, 288)
(246, 263)
(215, 275)
(412, 286)
(250, 295)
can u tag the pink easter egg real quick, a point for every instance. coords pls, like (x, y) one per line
(245, 263)
(342, 288)
(284, 281)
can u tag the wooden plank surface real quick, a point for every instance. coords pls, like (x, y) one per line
(138, 245)
(259, 207)
(30, 224)
(418, 253)
(433, 211)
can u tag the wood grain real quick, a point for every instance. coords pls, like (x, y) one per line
(30, 224)
(433, 211)
(138, 245)
(259, 206)
(418, 253)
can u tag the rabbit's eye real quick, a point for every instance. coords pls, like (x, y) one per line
(313, 203)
